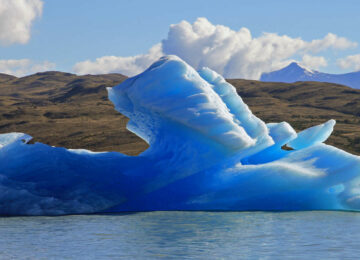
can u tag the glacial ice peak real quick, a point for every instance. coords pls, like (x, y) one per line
(171, 90)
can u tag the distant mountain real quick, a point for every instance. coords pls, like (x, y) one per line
(295, 72)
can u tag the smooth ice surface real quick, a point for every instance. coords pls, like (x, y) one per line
(313, 135)
(281, 133)
(207, 152)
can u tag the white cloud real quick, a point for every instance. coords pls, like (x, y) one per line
(24, 67)
(352, 61)
(129, 66)
(16, 17)
(330, 41)
(313, 62)
(235, 54)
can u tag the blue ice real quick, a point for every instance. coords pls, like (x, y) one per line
(207, 152)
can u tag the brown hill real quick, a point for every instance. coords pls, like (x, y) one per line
(6, 77)
(304, 104)
(64, 109)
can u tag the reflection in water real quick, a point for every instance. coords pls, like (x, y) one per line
(198, 235)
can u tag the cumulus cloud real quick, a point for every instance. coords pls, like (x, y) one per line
(313, 62)
(352, 61)
(129, 66)
(238, 53)
(16, 17)
(24, 67)
(330, 41)
(235, 54)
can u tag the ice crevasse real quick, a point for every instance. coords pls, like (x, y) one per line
(207, 152)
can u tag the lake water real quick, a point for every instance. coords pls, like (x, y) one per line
(183, 235)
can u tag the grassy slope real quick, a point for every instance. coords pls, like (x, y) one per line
(63, 109)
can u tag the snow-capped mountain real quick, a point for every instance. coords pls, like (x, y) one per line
(296, 72)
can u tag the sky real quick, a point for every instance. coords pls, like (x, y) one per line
(239, 39)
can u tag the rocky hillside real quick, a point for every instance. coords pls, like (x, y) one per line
(63, 109)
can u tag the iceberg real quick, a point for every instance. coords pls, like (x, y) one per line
(207, 152)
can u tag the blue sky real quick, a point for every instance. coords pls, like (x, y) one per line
(69, 32)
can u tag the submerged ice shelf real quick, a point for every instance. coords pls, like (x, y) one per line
(207, 152)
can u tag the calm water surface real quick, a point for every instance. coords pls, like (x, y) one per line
(183, 235)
